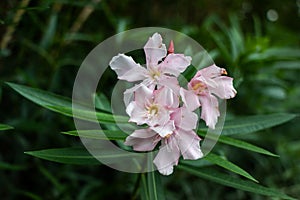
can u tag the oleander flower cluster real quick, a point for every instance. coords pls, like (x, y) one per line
(167, 110)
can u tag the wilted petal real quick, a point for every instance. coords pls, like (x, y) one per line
(189, 144)
(210, 110)
(225, 89)
(184, 119)
(142, 140)
(167, 156)
(175, 64)
(164, 129)
(190, 99)
(127, 69)
(155, 50)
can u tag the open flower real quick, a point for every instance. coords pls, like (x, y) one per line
(205, 86)
(181, 141)
(153, 108)
(161, 68)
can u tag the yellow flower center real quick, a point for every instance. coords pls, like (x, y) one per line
(155, 74)
(199, 86)
(153, 110)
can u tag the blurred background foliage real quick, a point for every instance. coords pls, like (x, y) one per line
(44, 42)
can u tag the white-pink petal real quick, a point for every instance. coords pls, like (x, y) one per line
(142, 140)
(155, 50)
(209, 109)
(175, 64)
(184, 119)
(167, 156)
(225, 89)
(190, 99)
(189, 144)
(142, 95)
(166, 97)
(164, 129)
(137, 114)
(210, 72)
(127, 69)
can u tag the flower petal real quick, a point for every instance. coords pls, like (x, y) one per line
(137, 114)
(225, 89)
(167, 156)
(164, 129)
(142, 140)
(190, 99)
(142, 95)
(155, 50)
(210, 72)
(127, 69)
(189, 144)
(175, 64)
(166, 97)
(184, 119)
(169, 82)
(210, 109)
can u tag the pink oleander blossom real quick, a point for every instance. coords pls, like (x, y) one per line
(153, 108)
(204, 88)
(161, 68)
(181, 141)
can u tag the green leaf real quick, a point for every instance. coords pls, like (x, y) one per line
(79, 156)
(218, 160)
(230, 181)
(99, 134)
(154, 186)
(250, 124)
(241, 144)
(101, 102)
(153, 183)
(41, 97)
(244, 145)
(89, 115)
(63, 105)
(5, 127)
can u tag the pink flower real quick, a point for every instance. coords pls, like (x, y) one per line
(153, 108)
(161, 69)
(204, 88)
(181, 141)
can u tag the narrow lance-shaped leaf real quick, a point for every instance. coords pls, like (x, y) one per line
(250, 124)
(241, 144)
(41, 97)
(99, 134)
(230, 181)
(5, 127)
(155, 189)
(245, 145)
(218, 160)
(79, 156)
(63, 105)
(89, 115)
